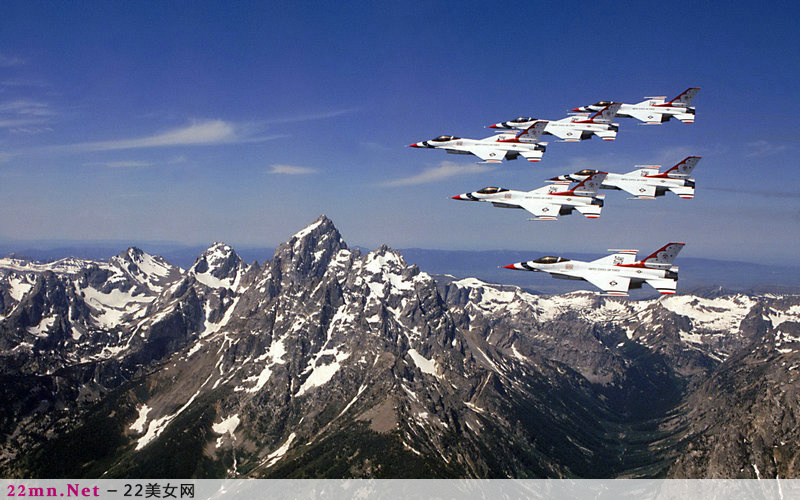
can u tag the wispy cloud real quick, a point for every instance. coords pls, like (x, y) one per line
(26, 107)
(291, 170)
(445, 170)
(120, 164)
(763, 148)
(210, 132)
(307, 117)
(757, 192)
(23, 115)
(9, 61)
(134, 163)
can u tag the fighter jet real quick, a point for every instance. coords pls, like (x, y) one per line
(573, 128)
(653, 110)
(494, 149)
(617, 273)
(548, 202)
(645, 183)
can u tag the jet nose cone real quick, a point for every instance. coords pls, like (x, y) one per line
(556, 179)
(415, 145)
(456, 197)
(577, 110)
(494, 125)
(510, 266)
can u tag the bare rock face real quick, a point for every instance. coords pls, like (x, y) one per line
(330, 362)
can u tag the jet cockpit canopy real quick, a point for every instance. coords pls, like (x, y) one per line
(603, 103)
(522, 119)
(586, 171)
(445, 138)
(550, 260)
(491, 190)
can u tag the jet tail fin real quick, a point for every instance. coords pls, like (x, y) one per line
(663, 257)
(607, 114)
(532, 133)
(590, 185)
(684, 168)
(684, 99)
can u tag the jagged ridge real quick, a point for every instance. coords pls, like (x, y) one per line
(303, 366)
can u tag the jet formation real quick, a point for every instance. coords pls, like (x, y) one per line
(615, 274)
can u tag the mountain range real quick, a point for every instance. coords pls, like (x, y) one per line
(327, 361)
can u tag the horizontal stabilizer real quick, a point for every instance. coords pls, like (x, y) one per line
(590, 211)
(664, 285)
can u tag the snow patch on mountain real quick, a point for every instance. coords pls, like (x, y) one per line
(273, 356)
(19, 286)
(424, 364)
(138, 424)
(321, 374)
(276, 455)
(69, 265)
(42, 328)
(718, 314)
(112, 306)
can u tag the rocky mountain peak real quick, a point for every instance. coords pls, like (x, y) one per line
(219, 266)
(149, 271)
(309, 251)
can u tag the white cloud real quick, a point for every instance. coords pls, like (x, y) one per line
(445, 170)
(291, 170)
(197, 134)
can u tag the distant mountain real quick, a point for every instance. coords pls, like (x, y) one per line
(696, 273)
(327, 361)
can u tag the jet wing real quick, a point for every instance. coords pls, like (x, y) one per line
(610, 283)
(638, 189)
(488, 154)
(542, 210)
(564, 133)
(650, 117)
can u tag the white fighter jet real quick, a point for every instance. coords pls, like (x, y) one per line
(645, 183)
(494, 149)
(548, 202)
(617, 273)
(654, 110)
(573, 128)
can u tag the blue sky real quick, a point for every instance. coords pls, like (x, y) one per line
(242, 121)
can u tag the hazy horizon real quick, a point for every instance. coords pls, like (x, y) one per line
(242, 122)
